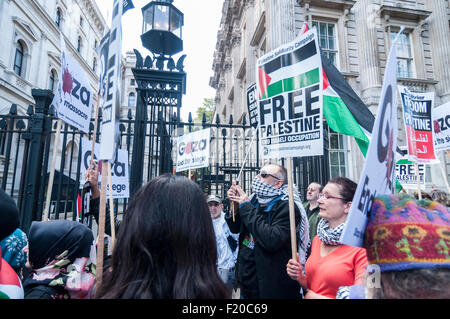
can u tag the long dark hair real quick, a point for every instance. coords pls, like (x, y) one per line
(165, 247)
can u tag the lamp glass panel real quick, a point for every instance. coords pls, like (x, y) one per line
(161, 21)
(175, 23)
(148, 20)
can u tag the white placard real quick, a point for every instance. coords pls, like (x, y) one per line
(119, 169)
(193, 150)
(110, 88)
(73, 98)
(378, 176)
(405, 173)
(289, 90)
(441, 127)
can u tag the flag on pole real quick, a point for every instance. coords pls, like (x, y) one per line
(345, 112)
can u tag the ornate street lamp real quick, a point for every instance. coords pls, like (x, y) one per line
(159, 92)
(161, 27)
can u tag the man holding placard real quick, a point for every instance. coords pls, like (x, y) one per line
(264, 241)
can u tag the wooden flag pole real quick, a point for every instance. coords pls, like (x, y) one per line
(292, 209)
(101, 225)
(111, 206)
(52, 172)
(418, 180)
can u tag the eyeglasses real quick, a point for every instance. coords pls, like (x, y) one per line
(326, 196)
(264, 174)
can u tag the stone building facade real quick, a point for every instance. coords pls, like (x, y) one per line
(357, 36)
(30, 57)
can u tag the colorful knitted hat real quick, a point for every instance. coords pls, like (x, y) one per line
(403, 233)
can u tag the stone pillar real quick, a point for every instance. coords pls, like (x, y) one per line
(281, 23)
(366, 14)
(440, 42)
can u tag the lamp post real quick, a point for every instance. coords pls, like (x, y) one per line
(161, 84)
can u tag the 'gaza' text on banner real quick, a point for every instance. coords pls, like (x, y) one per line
(119, 169)
(441, 127)
(193, 150)
(73, 98)
(289, 90)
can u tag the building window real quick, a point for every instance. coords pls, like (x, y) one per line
(81, 22)
(327, 40)
(338, 154)
(94, 65)
(131, 99)
(58, 17)
(132, 82)
(18, 59)
(404, 55)
(79, 45)
(52, 80)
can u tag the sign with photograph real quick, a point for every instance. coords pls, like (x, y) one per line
(418, 125)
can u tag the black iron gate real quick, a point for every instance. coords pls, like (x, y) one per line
(149, 136)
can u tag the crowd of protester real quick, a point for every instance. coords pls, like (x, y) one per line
(175, 242)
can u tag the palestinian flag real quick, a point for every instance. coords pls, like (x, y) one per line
(280, 74)
(345, 112)
(10, 284)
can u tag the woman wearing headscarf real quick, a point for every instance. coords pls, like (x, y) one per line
(332, 267)
(61, 255)
(13, 253)
(10, 283)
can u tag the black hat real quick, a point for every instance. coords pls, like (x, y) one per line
(9, 215)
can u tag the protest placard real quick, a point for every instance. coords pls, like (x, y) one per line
(252, 105)
(405, 173)
(73, 98)
(441, 127)
(119, 169)
(289, 89)
(193, 150)
(418, 124)
(378, 176)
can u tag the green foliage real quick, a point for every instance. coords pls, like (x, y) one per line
(207, 109)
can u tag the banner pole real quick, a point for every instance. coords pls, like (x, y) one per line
(111, 206)
(52, 172)
(292, 209)
(101, 225)
(418, 180)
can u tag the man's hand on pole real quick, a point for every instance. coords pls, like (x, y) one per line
(236, 194)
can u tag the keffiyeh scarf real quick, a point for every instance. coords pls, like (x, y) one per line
(327, 235)
(265, 193)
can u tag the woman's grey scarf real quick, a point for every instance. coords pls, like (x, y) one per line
(265, 193)
(327, 235)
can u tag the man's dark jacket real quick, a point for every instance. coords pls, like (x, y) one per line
(270, 228)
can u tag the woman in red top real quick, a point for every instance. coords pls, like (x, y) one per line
(331, 265)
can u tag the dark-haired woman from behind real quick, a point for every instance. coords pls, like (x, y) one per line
(165, 247)
(332, 268)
